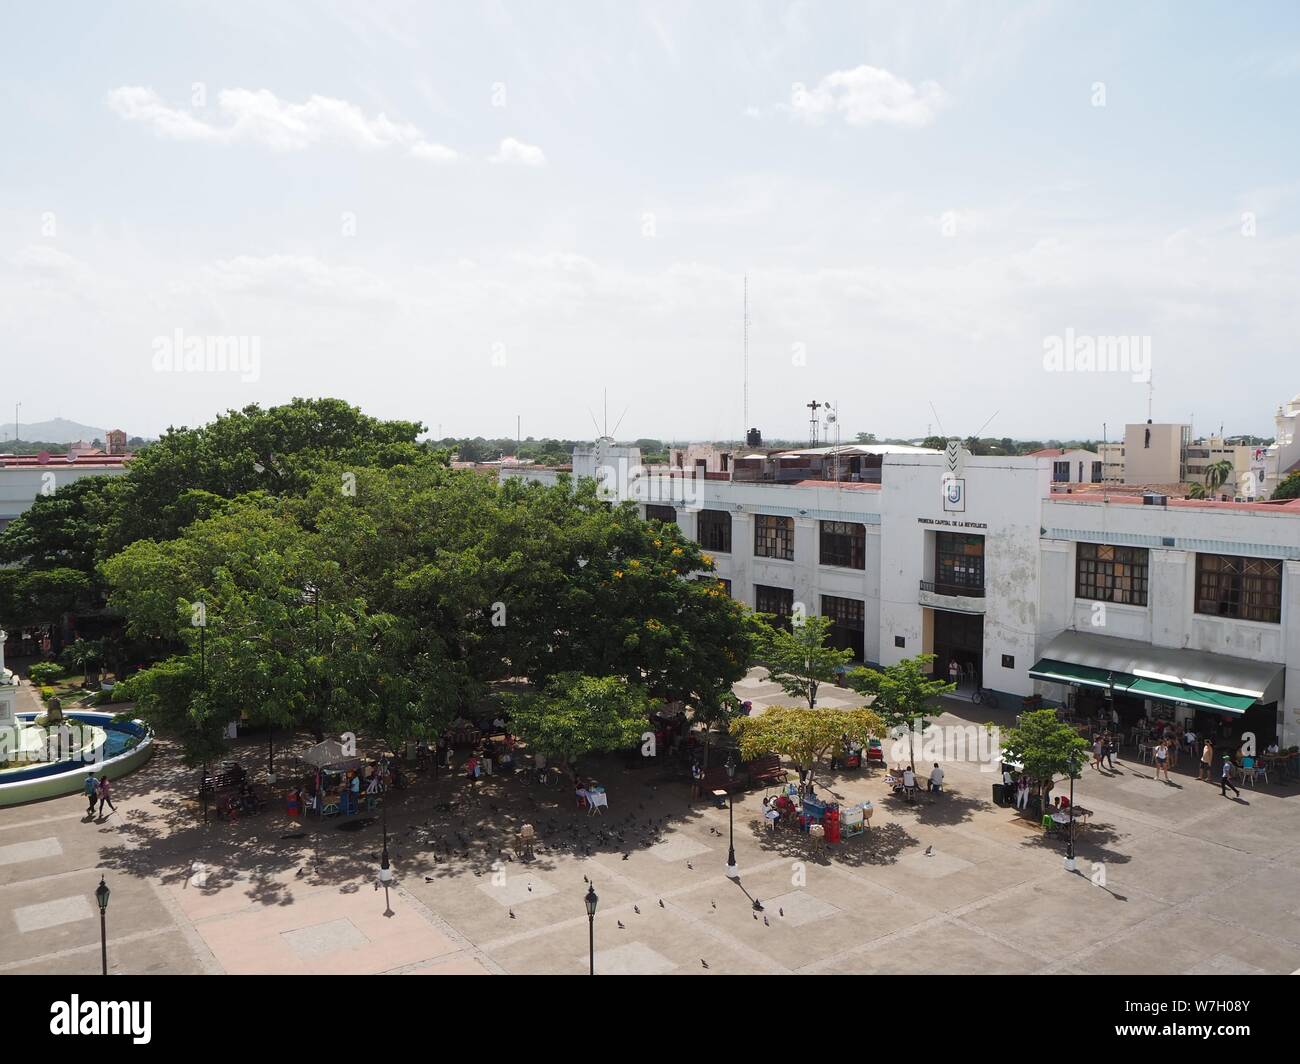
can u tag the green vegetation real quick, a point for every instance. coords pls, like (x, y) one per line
(799, 659)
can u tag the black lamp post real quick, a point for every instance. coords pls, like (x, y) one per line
(202, 620)
(1069, 845)
(732, 871)
(591, 901)
(101, 896)
(385, 872)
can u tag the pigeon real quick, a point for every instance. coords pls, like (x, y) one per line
(780, 911)
(689, 865)
(512, 914)
(929, 851)
(755, 915)
(585, 879)
(428, 879)
(376, 884)
(477, 872)
(765, 923)
(530, 888)
(620, 926)
(714, 904)
(704, 962)
(626, 856)
(758, 906)
(636, 909)
(299, 873)
(661, 903)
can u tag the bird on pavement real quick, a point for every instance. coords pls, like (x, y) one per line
(620, 925)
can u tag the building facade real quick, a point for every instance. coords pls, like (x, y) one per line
(1150, 605)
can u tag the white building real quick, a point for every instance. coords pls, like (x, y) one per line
(25, 477)
(1162, 606)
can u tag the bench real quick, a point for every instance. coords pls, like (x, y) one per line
(716, 779)
(230, 777)
(766, 770)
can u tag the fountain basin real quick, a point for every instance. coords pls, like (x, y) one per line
(120, 747)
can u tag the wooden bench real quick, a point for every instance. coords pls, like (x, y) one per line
(766, 770)
(231, 777)
(716, 779)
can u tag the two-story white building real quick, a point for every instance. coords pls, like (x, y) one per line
(1155, 606)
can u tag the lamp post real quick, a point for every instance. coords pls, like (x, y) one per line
(270, 756)
(101, 896)
(1069, 845)
(732, 871)
(385, 871)
(591, 901)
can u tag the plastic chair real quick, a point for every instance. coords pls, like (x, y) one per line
(1048, 822)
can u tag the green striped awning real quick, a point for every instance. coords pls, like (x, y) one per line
(1200, 697)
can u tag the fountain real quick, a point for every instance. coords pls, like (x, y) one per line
(49, 754)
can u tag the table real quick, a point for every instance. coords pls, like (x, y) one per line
(596, 800)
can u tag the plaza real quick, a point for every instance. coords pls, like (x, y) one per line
(1193, 882)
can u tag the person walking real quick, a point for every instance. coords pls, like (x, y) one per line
(91, 790)
(1098, 751)
(954, 672)
(1162, 759)
(105, 794)
(1225, 778)
(1207, 759)
(1112, 746)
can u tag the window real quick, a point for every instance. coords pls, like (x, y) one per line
(844, 543)
(774, 600)
(1096, 472)
(848, 624)
(1061, 471)
(900, 641)
(1247, 588)
(714, 531)
(1111, 574)
(1008, 661)
(658, 512)
(773, 537)
(958, 563)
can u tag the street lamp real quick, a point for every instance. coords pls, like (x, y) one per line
(1069, 845)
(732, 871)
(270, 756)
(591, 901)
(101, 896)
(385, 871)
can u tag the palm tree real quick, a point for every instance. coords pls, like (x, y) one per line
(1196, 491)
(1216, 475)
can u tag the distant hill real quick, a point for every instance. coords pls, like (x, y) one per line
(60, 430)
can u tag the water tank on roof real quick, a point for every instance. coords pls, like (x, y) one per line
(753, 438)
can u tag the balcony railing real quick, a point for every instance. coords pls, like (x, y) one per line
(935, 587)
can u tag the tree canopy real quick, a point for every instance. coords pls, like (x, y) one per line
(804, 735)
(798, 659)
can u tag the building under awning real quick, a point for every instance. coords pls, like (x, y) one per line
(1213, 682)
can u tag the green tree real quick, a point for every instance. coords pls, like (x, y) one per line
(1217, 474)
(904, 693)
(1289, 488)
(82, 654)
(1045, 747)
(799, 659)
(935, 443)
(1196, 491)
(576, 715)
(803, 735)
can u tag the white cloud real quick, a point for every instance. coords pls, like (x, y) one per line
(261, 117)
(867, 95)
(516, 151)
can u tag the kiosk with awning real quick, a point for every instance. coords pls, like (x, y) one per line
(1212, 683)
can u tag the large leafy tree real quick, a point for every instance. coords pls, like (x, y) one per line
(575, 715)
(799, 659)
(1289, 488)
(804, 735)
(904, 693)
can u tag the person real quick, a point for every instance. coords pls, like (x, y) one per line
(1022, 793)
(954, 671)
(909, 782)
(1162, 759)
(1098, 751)
(91, 790)
(471, 767)
(1110, 744)
(1207, 759)
(1189, 737)
(936, 779)
(770, 813)
(105, 794)
(1225, 778)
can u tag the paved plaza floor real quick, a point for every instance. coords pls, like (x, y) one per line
(1193, 882)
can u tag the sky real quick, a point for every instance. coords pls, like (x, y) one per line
(1018, 219)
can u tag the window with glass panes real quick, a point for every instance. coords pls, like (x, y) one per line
(773, 537)
(774, 600)
(1249, 589)
(659, 512)
(959, 561)
(713, 530)
(1111, 574)
(844, 543)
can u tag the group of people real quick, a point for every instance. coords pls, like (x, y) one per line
(98, 790)
(903, 781)
(488, 757)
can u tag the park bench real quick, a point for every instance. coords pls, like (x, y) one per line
(230, 776)
(717, 779)
(766, 770)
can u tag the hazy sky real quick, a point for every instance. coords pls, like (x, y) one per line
(462, 212)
